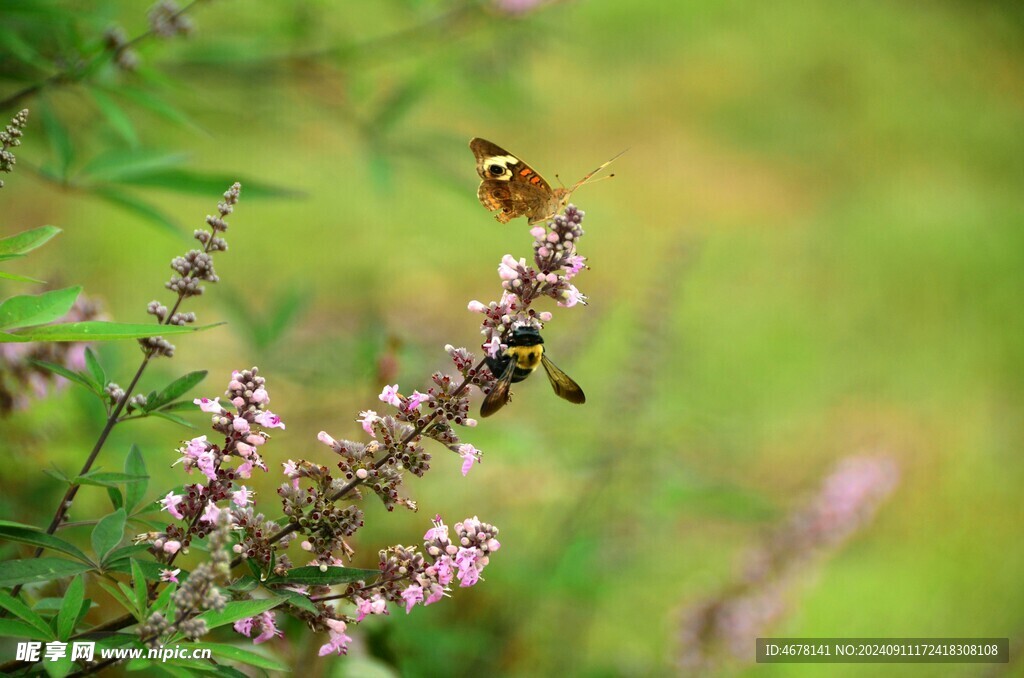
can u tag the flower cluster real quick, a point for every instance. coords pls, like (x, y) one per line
(19, 373)
(197, 594)
(724, 628)
(245, 430)
(116, 42)
(9, 138)
(555, 263)
(191, 269)
(167, 20)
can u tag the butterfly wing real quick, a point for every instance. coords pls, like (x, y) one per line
(510, 185)
(564, 386)
(498, 396)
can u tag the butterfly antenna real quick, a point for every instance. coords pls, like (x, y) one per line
(587, 178)
(560, 181)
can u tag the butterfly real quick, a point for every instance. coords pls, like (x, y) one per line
(513, 187)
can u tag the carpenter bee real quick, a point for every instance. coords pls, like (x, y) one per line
(525, 353)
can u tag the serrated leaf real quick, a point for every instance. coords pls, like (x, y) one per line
(74, 598)
(116, 117)
(135, 465)
(62, 371)
(26, 241)
(23, 612)
(138, 207)
(313, 576)
(95, 369)
(29, 310)
(239, 609)
(95, 330)
(108, 533)
(175, 389)
(38, 538)
(38, 570)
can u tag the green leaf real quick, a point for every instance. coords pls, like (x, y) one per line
(62, 371)
(300, 601)
(234, 653)
(26, 241)
(239, 609)
(116, 497)
(140, 208)
(116, 117)
(74, 598)
(95, 369)
(95, 330)
(35, 309)
(23, 612)
(312, 576)
(12, 628)
(176, 388)
(35, 537)
(196, 183)
(19, 278)
(172, 417)
(141, 589)
(180, 406)
(149, 568)
(116, 166)
(164, 597)
(23, 51)
(107, 479)
(118, 595)
(124, 553)
(157, 105)
(57, 135)
(135, 465)
(108, 533)
(38, 570)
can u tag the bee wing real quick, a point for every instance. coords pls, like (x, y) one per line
(564, 386)
(498, 396)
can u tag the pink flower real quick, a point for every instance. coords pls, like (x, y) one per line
(196, 447)
(412, 595)
(476, 307)
(493, 545)
(338, 642)
(269, 629)
(244, 626)
(326, 439)
(545, 316)
(207, 464)
(375, 605)
(170, 575)
(244, 470)
(439, 531)
(509, 267)
(207, 405)
(291, 469)
(571, 297)
(466, 561)
(268, 419)
(415, 400)
(445, 570)
(241, 497)
(170, 504)
(538, 232)
(244, 449)
(575, 265)
(494, 347)
(368, 419)
(172, 546)
(260, 395)
(469, 455)
(211, 513)
(390, 395)
(436, 594)
(240, 425)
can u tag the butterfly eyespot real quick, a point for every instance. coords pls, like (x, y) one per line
(496, 170)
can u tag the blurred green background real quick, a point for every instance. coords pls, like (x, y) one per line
(813, 248)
